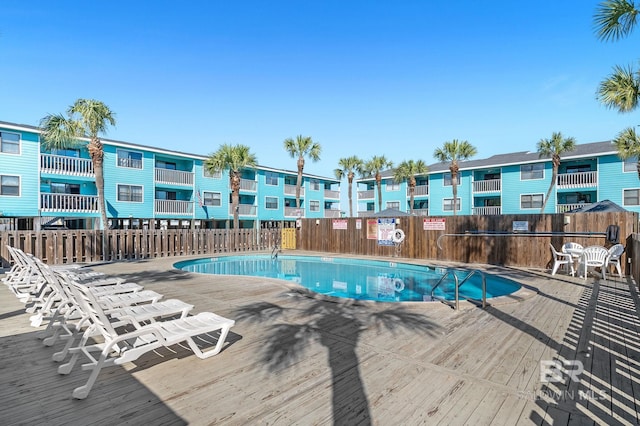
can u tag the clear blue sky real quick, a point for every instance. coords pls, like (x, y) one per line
(393, 78)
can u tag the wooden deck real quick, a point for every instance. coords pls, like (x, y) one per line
(291, 359)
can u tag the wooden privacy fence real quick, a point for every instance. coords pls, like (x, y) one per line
(472, 239)
(57, 247)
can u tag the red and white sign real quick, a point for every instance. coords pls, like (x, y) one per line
(339, 223)
(433, 224)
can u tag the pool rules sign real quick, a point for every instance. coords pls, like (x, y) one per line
(386, 227)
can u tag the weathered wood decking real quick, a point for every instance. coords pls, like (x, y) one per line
(297, 360)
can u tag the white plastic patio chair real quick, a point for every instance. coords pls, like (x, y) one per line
(615, 253)
(594, 257)
(120, 346)
(560, 259)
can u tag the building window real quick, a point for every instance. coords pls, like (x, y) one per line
(315, 185)
(166, 195)
(132, 193)
(271, 203)
(9, 143)
(10, 185)
(271, 178)
(129, 159)
(447, 204)
(66, 152)
(531, 201)
(215, 175)
(393, 186)
(630, 165)
(631, 197)
(393, 205)
(532, 171)
(65, 188)
(448, 181)
(314, 206)
(166, 165)
(212, 199)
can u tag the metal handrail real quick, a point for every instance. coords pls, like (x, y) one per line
(274, 252)
(458, 284)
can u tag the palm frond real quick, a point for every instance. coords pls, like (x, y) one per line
(615, 19)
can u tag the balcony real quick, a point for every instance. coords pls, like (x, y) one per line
(365, 195)
(577, 180)
(328, 193)
(293, 212)
(366, 213)
(244, 210)
(487, 211)
(563, 208)
(419, 190)
(421, 212)
(70, 166)
(173, 177)
(173, 207)
(248, 185)
(291, 190)
(69, 203)
(332, 213)
(491, 185)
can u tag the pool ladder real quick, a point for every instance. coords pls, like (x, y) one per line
(456, 302)
(274, 252)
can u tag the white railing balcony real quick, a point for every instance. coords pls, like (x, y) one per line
(244, 210)
(578, 180)
(419, 190)
(365, 195)
(491, 185)
(366, 213)
(332, 213)
(173, 207)
(248, 185)
(487, 211)
(59, 164)
(293, 212)
(291, 190)
(329, 193)
(173, 177)
(563, 208)
(69, 203)
(421, 212)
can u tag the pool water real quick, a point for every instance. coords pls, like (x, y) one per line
(355, 278)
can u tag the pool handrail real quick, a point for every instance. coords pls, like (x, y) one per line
(457, 287)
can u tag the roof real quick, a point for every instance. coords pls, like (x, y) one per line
(501, 160)
(168, 151)
(600, 206)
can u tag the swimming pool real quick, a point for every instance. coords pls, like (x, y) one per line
(355, 278)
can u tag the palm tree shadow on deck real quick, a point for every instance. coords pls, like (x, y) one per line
(336, 325)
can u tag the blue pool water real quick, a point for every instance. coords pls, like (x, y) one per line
(354, 278)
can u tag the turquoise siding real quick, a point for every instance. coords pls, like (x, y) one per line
(22, 165)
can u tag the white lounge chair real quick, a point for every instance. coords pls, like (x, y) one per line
(615, 253)
(560, 259)
(121, 346)
(594, 257)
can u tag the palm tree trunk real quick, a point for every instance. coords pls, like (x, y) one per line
(455, 194)
(411, 191)
(299, 181)
(350, 179)
(554, 177)
(379, 185)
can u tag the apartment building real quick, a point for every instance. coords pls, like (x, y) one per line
(513, 183)
(145, 187)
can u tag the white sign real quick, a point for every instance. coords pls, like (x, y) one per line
(520, 225)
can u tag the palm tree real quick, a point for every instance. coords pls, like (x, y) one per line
(628, 144)
(554, 148)
(302, 146)
(86, 118)
(615, 19)
(373, 167)
(349, 166)
(235, 158)
(407, 171)
(454, 151)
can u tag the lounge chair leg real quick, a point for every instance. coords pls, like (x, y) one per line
(83, 391)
